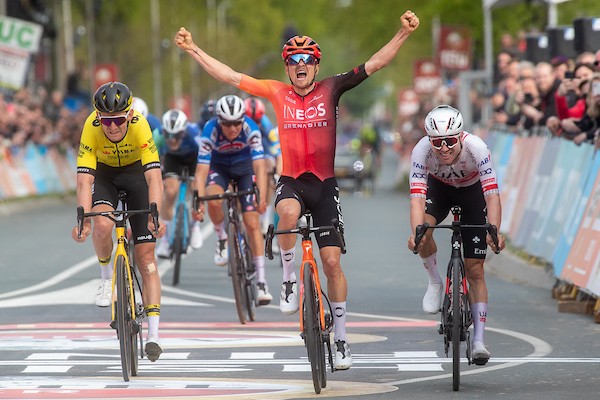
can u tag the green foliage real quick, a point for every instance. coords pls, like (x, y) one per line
(247, 34)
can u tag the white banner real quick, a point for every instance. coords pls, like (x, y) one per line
(18, 39)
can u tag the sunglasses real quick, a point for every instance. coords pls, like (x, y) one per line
(230, 123)
(118, 120)
(449, 141)
(295, 59)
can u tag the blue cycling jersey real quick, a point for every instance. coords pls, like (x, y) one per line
(189, 144)
(215, 148)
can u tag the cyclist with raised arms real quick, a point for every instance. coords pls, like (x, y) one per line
(179, 150)
(231, 148)
(306, 112)
(451, 167)
(117, 152)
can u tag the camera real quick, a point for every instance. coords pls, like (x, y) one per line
(569, 75)
(528, 98)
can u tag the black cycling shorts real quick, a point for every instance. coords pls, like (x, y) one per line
(174, 164)
(322, 198)
(107, 184)
(441, 197)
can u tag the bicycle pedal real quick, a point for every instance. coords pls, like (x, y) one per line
(113, 324)
(441, 329)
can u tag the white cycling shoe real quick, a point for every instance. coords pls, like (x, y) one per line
(343, 357)
(221, 253)
(196, 239)
(104, 293)
(263, 296)
(163, 250)
(152, 349)
(288, 301)
(433, 298)
(480, 354)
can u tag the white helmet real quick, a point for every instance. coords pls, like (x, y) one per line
(174, 123)
(230, 108)
(443, 121)
(140, 106)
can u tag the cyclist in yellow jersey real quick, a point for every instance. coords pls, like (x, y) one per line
(117, 152)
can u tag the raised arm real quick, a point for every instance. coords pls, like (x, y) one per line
(410, 22)
(217, 69)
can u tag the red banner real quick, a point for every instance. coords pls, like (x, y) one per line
(426, 76)
(104, 73)
(455, 48)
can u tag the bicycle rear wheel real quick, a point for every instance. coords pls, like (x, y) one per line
(457, 323)
(235, 266)
(312, 330)
(122, 315)
(178, 242)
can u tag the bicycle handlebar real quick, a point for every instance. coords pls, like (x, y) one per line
(421, 229)
(305, 231)
(113, 214)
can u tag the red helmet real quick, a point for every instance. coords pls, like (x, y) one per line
(255, 108)
(301, 45)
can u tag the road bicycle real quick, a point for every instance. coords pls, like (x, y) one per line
(316, 319)
(127, 314)
(456, 313)
(179, 238)
(240, 268)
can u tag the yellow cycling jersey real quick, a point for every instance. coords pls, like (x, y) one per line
(137, 145)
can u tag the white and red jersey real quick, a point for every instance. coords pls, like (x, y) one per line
(473, 164)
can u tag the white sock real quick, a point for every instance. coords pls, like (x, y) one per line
(259, 264)
(220, 230)
(153, 317)
(479, 314)
(339, 320)
(287, 259)
(430, 265)
(106, 271)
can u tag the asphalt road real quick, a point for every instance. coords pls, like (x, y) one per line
(56, 344)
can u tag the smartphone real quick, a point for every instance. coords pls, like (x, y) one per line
(569, 75)
(596, 88)
(528, 98)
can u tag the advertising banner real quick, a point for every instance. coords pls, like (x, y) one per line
(18, 40)
(455, 48)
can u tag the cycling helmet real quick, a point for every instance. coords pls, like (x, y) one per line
(230, 108)
(443, 121)
(140, 106)
(112, 97)
(301, 45)
(208, 110)
(255, 108)
(174, 123)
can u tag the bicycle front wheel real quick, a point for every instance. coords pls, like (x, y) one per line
(312, 330)
(249, 279)
(178, 242)
(122, 315)
(236, 268)
(457, 323)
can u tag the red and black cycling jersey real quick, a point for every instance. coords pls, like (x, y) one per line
(307, 124)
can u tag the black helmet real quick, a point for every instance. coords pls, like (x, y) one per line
(113, 97)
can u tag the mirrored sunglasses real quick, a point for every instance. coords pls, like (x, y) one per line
(230, 123)
(118, 120)
(449, 141)
(295, 59)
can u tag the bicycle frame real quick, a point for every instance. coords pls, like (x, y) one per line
(308, 257)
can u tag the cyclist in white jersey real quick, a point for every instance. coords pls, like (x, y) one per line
(452, 167)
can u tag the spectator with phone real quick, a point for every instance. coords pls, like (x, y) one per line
(570, 98)
(587, 129)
